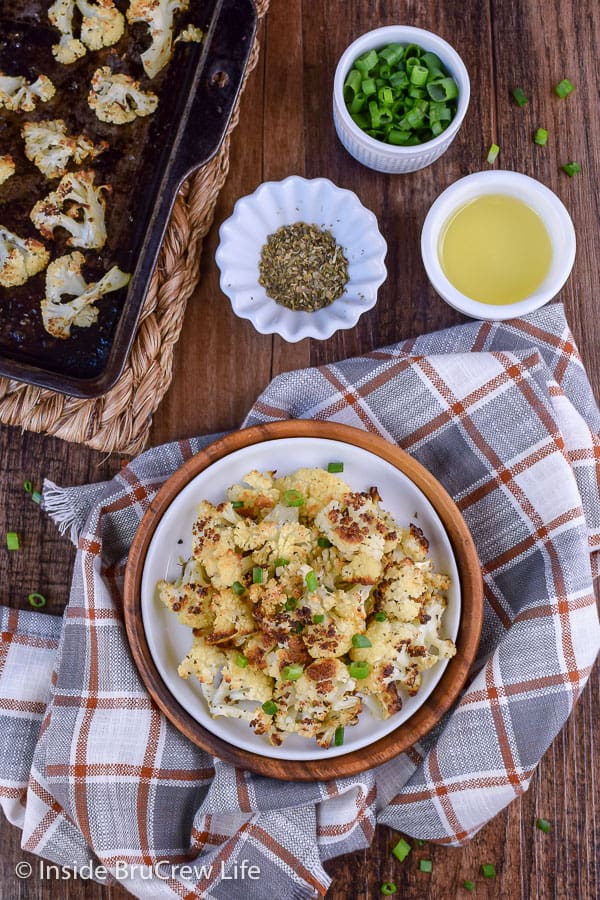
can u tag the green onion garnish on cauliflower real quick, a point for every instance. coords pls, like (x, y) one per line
(347, 612)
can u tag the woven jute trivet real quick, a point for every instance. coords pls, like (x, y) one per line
(120, 420)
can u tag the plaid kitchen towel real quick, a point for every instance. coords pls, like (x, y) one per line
(504, 416)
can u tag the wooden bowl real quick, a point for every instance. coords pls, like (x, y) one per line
(433, 707)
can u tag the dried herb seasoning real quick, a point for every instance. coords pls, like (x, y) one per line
(302, 267)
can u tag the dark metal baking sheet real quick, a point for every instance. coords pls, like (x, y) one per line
(145, 165)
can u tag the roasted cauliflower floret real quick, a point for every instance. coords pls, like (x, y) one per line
(316, 487)
(213, 545)
(189, 597)
(256, 494)
(232, 616)
(118, 98)
(20, 258)
(19, 95)
(239, 691)
(158, 15)
(102, 24)
(50, 148)
(7, 167)
(77, 205)
(69, 48)
(64, 278)
(191, 34)
(354, 525)
(204, 660)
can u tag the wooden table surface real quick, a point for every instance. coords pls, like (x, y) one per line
(222, 364)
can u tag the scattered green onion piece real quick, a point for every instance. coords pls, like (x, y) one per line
(541, 137)
(401, 850)
(493, 153)
(298, 628)
(281, 561)
(311, 581)
(426, 865)
(564, 88)
(238, 588)
(360, 640)
(324, 542)
(571, 168)
(257, 575)
(469, 885)
(36, 496)
(12, 540)
(293, 498)
(380, 616)
(27, 485)
(388, 888)
(292, 672)
(520, 96)
(291, 603)
(359, 669)
(488, 870)
(318, 619)
(338, 738)
(544, 825)
(38, 601)
(237, 504)
(421, 842)
(269, 707)
(241, 661)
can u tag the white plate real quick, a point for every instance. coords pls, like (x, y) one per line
(169, 641)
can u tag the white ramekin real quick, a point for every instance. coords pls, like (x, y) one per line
(540, 198)
(377, 154)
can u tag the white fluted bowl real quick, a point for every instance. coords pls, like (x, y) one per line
(317, 202)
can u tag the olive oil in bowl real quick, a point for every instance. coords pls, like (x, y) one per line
(495, 249)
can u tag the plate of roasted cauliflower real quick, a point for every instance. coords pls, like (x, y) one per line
(300, 597)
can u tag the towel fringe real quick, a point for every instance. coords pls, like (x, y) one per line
(60, 504)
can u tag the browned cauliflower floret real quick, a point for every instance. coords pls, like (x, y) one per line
(414, 543)
(64, 279)
(232, 616)
(50, 148)
(158, 15)
(102, 25)
(355, 526)
(204, 660)
(316, 487)
(213, 545)
(19, 95)
(118, 98)
(256, 494)
(69, 48)
(20, 258)
(191, 34)
(7, 167)
(240, 689)
(189, 597)
(77, 205)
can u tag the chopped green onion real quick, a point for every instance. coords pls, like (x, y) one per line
(311, 581)
(38, 601)
(280, 561)
(444, 89)
(293, 498)
(388, 888)
(324, 542)
(425, 865)
(541, 137)
(298, 628)
(368, 87)
(380, 616)
(488, 870)
(36, 496)
(269, 707)
(359, 669)
(571, 168)
(238, 588)
(360, 640)
(241, 661)
(12, 540)
(544, 825)
(520, 96)
(564, 88)
(401, 850)
(237, 504)
(318, 619)
(27, 485)
(257, 575)
(338, 738)
(469, 885)
(292, 672)
(493, 153)
(421, 842)
(335, 467)
(291, 603)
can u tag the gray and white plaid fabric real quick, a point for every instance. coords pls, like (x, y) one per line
(504, 416)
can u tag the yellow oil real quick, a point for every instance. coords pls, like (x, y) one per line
(495, 249)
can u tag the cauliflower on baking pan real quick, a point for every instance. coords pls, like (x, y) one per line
(102, 25)
(191, 34)
(64, 278)
(50, 148)
(158, 15)
(118, 98)
(19, 95)
(84, 216)
(20, 258)
(69, 48)
(7, 167)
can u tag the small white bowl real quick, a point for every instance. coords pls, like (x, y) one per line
(376, 154)
(317, 202)
(541, 199)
